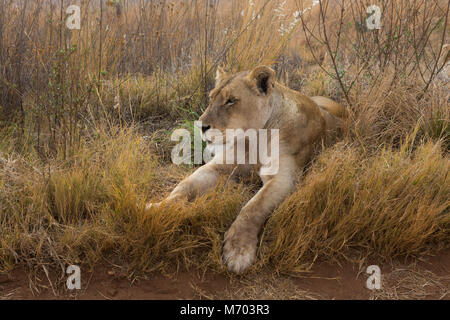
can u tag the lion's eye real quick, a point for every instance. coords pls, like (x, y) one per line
(230, 101)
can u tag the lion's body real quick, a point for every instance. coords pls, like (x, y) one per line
(253, 100)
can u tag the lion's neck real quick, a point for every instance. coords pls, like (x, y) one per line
(277, 109)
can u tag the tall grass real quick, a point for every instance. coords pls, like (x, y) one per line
(54, 78)
(351, 206)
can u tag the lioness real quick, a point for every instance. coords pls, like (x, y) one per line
(254, 100)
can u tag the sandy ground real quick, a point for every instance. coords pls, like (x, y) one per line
(425, 279)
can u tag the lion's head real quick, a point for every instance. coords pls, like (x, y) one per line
(239, 101)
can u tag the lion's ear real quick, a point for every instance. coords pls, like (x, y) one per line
(264, 79)
(220, 75)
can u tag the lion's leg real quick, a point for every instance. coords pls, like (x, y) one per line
(198, 183)
(241, 239)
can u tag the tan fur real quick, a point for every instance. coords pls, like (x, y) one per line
(259, 102)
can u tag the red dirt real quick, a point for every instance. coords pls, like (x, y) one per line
(326, 281)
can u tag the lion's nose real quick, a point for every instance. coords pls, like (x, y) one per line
(205, 128)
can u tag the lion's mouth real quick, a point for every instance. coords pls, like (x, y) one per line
(215, 143)
(212, 137)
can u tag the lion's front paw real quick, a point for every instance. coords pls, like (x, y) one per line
(239, 251)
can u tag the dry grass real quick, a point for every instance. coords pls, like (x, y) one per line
(10, 295)
(393, 203)
(86, 210)
(350, 205)
(260, 287)
(412, 283)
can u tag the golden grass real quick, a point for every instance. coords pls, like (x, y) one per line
(86, 209)
(349, 206)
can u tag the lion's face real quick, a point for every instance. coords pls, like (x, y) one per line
(239, 101)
